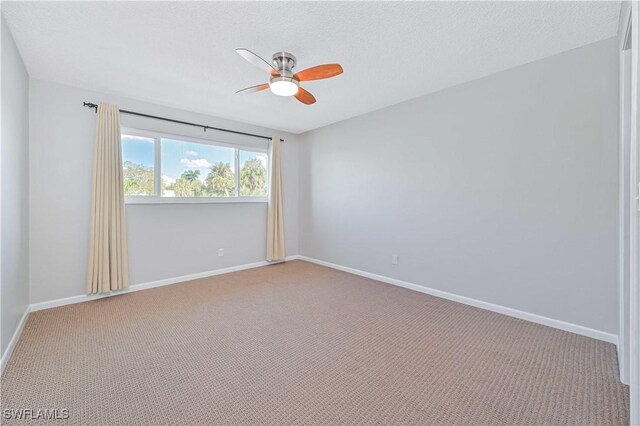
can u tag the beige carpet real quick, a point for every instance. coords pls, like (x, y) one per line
(298, 343)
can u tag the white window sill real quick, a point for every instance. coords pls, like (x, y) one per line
(193, 200)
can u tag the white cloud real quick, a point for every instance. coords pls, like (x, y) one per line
(191, 153)
(168, 180)
(197, 163)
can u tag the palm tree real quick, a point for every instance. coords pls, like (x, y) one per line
(188, 184)
(253, 178)
(191, 175)
(221, 181)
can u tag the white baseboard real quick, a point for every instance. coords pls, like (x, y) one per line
(144, 286)
(14, 340)
(538, 319)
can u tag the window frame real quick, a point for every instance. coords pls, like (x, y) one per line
(157, 170)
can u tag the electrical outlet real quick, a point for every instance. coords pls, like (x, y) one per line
(395, 259)
(220, 252)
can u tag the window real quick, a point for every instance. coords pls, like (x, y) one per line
(138, 165)
(197, 170)
(163, 168)
(253, 174)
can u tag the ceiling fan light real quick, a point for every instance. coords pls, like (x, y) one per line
(283, 86)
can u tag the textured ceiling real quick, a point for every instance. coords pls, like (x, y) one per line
(182, 54)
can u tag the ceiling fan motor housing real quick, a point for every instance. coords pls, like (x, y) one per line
(284, 63)
(284, 84)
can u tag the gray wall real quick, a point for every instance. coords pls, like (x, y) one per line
(165, 240)
(15, 188)
(625, 196)
(503, 189)
(626, 205)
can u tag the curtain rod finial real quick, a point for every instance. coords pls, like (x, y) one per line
(90, 105)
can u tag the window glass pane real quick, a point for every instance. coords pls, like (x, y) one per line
(197, 170)
(138, 164)
(253, 174)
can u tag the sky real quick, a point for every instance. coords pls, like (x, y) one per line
(179, 156)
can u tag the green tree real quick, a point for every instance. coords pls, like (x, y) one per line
(138, 179)
(221, 182)
(253, 178)
(188, 184)
(191, 175)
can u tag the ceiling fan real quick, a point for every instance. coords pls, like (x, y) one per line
(283, 81)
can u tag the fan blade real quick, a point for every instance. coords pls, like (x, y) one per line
(257, 61)
(252, 89)
(319, 72)
(305, 97)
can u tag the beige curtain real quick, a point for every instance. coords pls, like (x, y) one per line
(108, 265)
(275, 217)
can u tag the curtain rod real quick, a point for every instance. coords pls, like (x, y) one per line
(204, 126)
